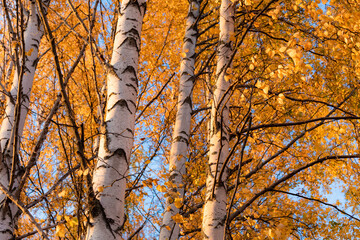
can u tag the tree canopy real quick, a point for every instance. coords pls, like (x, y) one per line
(198, 119)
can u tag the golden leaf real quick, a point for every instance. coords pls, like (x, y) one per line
(62, 193)
(100, 189)
(178, 202)
(60, 230)
(282, 49)
(86, 172)
(307, 46)
(251, 67)
(248, 2)
(178, 218)
(28, 53)
(266, 89)
(161, 188)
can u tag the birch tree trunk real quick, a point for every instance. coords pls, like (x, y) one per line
(214, 212)
(109, 180)
(32, 37)
(179, 147)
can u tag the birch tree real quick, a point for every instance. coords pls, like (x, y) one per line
(13, 122)
(177, 168)
(289, 129)
(214, 212)
(110, 174)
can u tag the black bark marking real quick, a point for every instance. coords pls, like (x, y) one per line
(132, 102)
(188, 101)
(122, 103)
(129, 69)
(112, 93)
(131, 86)
(131, 42)
(181, 139)
(186, 39)
(224, 139)
(192, 78)
(37, 41)
(121, 153)
(135, 80)
(35, 62)
(131, 19)
(131, 131)
(185, 133)
(96, 210)
(185, 73)
(172, 178)
(134, 33)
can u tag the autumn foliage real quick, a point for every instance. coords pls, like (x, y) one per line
(260, 116)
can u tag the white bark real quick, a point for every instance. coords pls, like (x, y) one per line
(32, 37)
(178, 153)
(214, 212)
(109, 180)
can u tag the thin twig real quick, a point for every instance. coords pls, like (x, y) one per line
(24, 210)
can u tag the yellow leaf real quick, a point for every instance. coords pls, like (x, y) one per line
(28, 53)
(13, 44)
(292, 42)
(227, 78)
(291, 52)
(259, 85)
(62, 193)
(248, 2)
(100, 189)
(342, 129)
(282, 49)
(266, 89)
(60, 230)
(80, 172)
(161, 188)
(177, 218)
(270, 234)
(251, 67)
(86, 172)
(308, 66)
(178, 202)
(281, 99)
(307, 46)
(73, 222)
